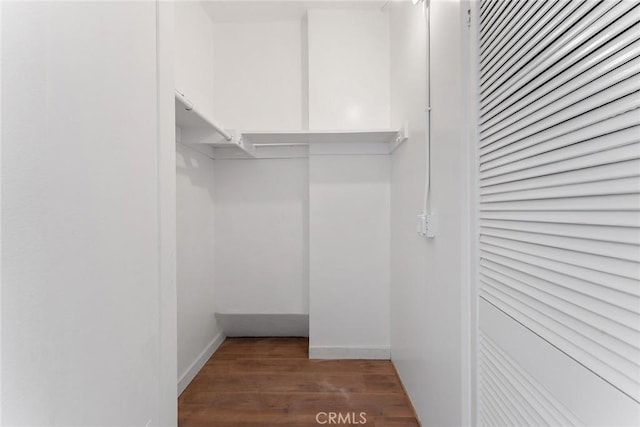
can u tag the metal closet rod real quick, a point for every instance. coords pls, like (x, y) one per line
(188, 105)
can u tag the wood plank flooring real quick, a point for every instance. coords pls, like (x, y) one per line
(271, 382)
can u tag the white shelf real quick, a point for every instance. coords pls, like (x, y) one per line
(196, 128)
(388, 139)
(300, 144)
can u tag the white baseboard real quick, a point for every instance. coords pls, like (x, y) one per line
(380, 353)
(200, 361)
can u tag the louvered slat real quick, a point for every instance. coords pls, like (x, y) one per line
(621, 52)
(579, 36)
(494, 17)
(576, 105)
(629, 219)
(613, 266)
(600, 84)
(552, 325)
(559, 193)
(587, 292)
(530, 179)
(616, 117)
(521, 35)
(543, 407)
(525, 12)
(619, 335)
(614, 147)
(577, 231)
(502, 21)
(570, 272)
(524, 50)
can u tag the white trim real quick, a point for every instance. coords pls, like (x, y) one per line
(166, 175)
(376, 353)
(470, 337)
(200, 361)
(1, 211)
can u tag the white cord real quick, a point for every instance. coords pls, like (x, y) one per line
(427, 184)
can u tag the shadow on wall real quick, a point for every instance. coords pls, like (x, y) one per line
(264, 325)
(192, 164)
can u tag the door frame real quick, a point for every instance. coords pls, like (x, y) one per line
(166, 155)
(470, 12)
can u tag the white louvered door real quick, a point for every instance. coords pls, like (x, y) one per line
(559, 215)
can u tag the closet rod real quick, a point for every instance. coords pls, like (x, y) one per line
(188, 106)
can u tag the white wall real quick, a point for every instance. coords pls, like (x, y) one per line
(165, 24)
(198, 332)
(409, 271)
(427, 276)
(80, 278)
(349, 196)
(1, 135)
(348, 69)
(258, 75)
(194, 55)
(262, 238)
(349, 256)
(261, 247)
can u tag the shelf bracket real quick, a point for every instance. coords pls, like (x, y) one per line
(401, 136)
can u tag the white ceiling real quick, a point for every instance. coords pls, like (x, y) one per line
(282, 10)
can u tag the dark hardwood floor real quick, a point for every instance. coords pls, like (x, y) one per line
(271, 382)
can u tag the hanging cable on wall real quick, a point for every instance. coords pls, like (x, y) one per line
(426, 219)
